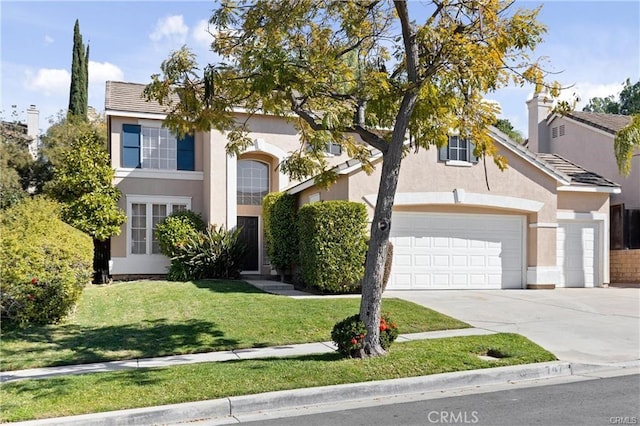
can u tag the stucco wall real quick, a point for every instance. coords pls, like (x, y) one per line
(625, 266)
(593, 150)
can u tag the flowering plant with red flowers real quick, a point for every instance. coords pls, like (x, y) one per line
(349, 334)
(35, 301)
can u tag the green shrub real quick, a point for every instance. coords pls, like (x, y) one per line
(45, 263)
(349, 334)
(332, 244)
(279, 212)
(214, 253)
(176, 228)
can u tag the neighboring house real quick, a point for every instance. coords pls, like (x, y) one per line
(543, 223)
(30, 129)
(587, 139)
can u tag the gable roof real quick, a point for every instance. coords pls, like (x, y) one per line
(123, 96)
(564, 171)
(610, 123)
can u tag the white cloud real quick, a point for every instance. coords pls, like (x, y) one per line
(99, 72)
(201, 34)
(171, 28)
(48, 81)
(48, 40)
(586, 91)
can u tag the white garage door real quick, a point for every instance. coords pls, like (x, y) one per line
(456, 251)
(577, 254)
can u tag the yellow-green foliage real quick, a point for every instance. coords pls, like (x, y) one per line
(627, 140)
(333, 244)
(45, 263)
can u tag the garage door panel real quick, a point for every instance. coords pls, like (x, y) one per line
(456, 251)
(577, 253)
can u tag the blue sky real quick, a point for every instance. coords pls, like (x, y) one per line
(594, 44)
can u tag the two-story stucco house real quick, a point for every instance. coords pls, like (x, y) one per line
(544, 221)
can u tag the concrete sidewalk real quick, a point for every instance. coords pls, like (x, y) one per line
(250, 353)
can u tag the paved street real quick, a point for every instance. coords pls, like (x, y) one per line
(608, 401)
(589, 325)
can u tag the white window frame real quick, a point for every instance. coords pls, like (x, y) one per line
(466, 148)
(238, 176)
(149, 201)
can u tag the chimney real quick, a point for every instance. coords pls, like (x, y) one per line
(539, 108)
(33, 129)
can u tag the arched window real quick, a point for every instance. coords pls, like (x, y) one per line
(253, 182)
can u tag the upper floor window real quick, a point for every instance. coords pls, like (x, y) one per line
(333, 149)
(458, 151)
(156, 148)
(253, 182)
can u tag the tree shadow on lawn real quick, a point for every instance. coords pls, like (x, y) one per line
(96, 344)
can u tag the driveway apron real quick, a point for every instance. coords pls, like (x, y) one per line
(587, 325)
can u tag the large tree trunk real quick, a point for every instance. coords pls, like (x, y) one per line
(370, 304)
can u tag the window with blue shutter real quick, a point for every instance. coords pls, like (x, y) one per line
(131, 145)
(186, 155)
(457, 150)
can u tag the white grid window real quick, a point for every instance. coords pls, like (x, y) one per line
(458, 149)
(138, 228)
(253, 182)
(145, 213)
(159, 212)
(159, 149)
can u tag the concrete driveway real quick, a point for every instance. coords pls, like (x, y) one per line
(595, 325)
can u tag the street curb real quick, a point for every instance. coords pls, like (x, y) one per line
(237, 405)
(578, 369)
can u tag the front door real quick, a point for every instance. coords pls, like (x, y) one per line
(249, 236)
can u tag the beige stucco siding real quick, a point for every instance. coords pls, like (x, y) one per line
(583, 202)
(422, 172)
(593, 150)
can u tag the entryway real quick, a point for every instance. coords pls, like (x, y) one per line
(249, 235)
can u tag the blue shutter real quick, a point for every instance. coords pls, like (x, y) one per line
(186, 156)
(472, 158)
(131, 145)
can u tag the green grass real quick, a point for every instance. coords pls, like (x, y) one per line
(71, 395)
(157, 318)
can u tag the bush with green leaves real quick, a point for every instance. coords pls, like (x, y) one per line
(45, 263)
(279, 212)
(176, 228)
(333, 245)
(349, 334)
(213, 253)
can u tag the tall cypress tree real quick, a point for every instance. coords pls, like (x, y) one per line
(78, 92)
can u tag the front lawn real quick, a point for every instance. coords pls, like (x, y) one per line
(157, 318)
(99, 392)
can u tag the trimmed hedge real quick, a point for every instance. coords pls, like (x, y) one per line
(333, 244)
(279, 213)
(45, 263)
